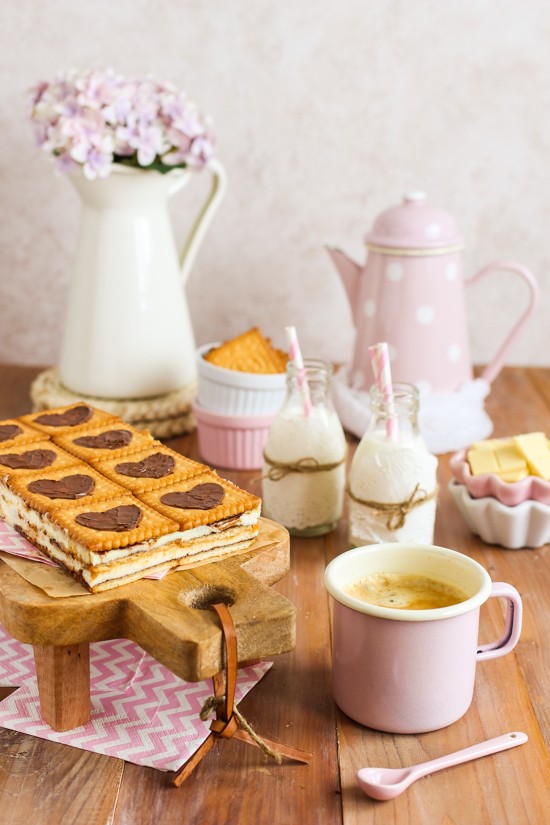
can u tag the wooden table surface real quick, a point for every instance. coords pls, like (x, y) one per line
(48, 784)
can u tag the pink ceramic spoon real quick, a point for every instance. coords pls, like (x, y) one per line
(386, 783)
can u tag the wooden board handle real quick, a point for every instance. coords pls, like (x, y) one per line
(184, 634)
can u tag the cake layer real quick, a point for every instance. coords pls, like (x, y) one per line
(70, 419)
(153, 467)
(113, 439)
(96, 570)
(55, 490)
(33, 458)
(13, 433)
(110, 503)
(204, 499)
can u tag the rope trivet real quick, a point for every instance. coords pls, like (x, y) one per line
(280, 469)
(165, 416)
(397, 511)
(229, 722)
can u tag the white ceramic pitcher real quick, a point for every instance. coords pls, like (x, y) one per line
(128, 333)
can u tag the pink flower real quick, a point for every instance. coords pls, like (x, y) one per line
(97, 118)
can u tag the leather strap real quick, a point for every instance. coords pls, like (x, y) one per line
(226, 723)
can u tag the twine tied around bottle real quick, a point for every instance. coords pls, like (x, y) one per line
(396, 512)
(279, 469)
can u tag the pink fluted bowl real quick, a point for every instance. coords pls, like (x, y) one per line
(530, 488)
(526, 524)
(235, 442)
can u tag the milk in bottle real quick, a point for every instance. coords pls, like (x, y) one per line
(392, 487)
(304, 457)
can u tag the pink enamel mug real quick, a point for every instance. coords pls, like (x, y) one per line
(412, 671)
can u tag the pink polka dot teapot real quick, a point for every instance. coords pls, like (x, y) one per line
(410, 293)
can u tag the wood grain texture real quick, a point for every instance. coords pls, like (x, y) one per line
(235, 784)
(168, 618)
(63, 675)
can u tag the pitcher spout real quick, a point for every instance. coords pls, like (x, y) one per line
(349, 272)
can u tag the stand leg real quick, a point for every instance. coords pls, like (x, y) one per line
(63, 675)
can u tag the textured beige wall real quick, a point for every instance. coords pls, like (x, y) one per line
(325, 112)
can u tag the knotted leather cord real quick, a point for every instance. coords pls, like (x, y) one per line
(398, 511)
(229, 721)
(308, 464)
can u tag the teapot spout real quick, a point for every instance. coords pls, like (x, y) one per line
(349, 272)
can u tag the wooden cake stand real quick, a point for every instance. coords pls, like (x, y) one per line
(170, 619)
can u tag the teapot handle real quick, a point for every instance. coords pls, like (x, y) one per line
(204, 217)
(491, 371)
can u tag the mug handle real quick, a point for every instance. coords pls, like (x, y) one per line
(512, 630)
(492, 370)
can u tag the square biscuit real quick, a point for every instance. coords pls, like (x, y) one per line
(47, 492)
(32, 458)
(69, 419)
(112, 523)
(249, 352)
(155, 466)
(204, 499)
(14, 432)
(112, 439)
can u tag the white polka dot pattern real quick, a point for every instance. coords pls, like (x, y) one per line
(451, 271)
(394, 271)
(453, 353)
(369, 309)
(425, 314)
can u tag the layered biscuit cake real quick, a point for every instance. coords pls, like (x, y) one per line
(110, 503)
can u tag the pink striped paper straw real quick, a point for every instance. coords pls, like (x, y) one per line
(380, 359)
(295, 356)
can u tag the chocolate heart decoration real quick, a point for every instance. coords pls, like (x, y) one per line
(68, 487)
(31, 460)
(70, 418)
(109, 440)
(8, 431)
(157, 465)
(202, 497)
(117, 519)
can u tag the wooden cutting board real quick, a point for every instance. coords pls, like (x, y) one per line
(170, 619)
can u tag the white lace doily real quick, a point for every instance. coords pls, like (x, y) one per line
(447, 421)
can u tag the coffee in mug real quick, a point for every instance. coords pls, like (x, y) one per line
(411, 670)
(406, 591)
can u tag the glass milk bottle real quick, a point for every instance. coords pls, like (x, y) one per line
(305, 457)
(392, 488)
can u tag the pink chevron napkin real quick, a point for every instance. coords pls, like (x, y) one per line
(141, 712)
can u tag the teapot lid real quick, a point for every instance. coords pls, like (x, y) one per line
(414, 225)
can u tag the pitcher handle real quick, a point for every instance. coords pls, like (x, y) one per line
(491, 371)
(204, 217)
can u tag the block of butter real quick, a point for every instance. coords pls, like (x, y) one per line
(482, 460)
(534, 448)
(511, 459)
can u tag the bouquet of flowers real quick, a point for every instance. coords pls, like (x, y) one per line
(94, 119)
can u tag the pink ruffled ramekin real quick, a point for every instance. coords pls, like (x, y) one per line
(234, 442)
